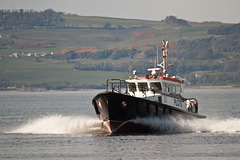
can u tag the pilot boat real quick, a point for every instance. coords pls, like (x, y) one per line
(156, 95)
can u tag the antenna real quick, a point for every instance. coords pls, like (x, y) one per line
(164, 64)
(157, 55)
(165, 53)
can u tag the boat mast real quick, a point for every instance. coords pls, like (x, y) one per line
(163, 65)
(165, 53)
(157, 57)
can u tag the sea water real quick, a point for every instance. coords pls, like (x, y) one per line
(63, 125)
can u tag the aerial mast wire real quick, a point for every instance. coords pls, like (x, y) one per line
(157, 56)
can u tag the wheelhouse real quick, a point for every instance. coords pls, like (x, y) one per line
(138, 87)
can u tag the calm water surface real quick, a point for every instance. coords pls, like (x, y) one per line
(63, 125)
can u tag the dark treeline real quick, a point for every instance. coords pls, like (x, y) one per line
(113, 54)
(140, 65)
(172, 20)
(207, 49)
(210, 52)
(223, 30)
(29, 19)
(218, 58)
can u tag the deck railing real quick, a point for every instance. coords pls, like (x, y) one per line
(116, 85)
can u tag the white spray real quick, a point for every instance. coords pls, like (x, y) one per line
(58, 124)
(172, 125)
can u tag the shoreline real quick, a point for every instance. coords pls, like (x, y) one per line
(213, 87)
(33, 89)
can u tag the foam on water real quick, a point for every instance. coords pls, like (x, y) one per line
(59, 124)
(172, 125)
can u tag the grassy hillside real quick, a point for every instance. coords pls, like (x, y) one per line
(111, 48)
(53, 74)
(80, 31)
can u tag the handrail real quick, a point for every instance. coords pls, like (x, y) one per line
(116, 83)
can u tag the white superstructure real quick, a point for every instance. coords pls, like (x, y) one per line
(160, 87)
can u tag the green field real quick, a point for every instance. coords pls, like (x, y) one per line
(23, 70)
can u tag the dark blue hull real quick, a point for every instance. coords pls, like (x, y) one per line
(117, 110)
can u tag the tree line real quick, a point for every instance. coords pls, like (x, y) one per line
(140, 65)
(102, 54)
(172, 20)
(213, 56)
(223, 30)
(29, 19)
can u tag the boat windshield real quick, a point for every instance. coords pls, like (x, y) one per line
(156, 87)
(178, 90)
(171, 88)
(143, 87)
(132, 87)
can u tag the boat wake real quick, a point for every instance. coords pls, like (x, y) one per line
(59, 124)
(172, 125)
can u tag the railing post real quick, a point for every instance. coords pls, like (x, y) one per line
(116, 83)
(120, 86)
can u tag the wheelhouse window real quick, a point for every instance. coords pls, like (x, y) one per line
(142, 87)
(172, 88)
(178, 90)
(156, 87)
(166, 87)
(132, 87)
